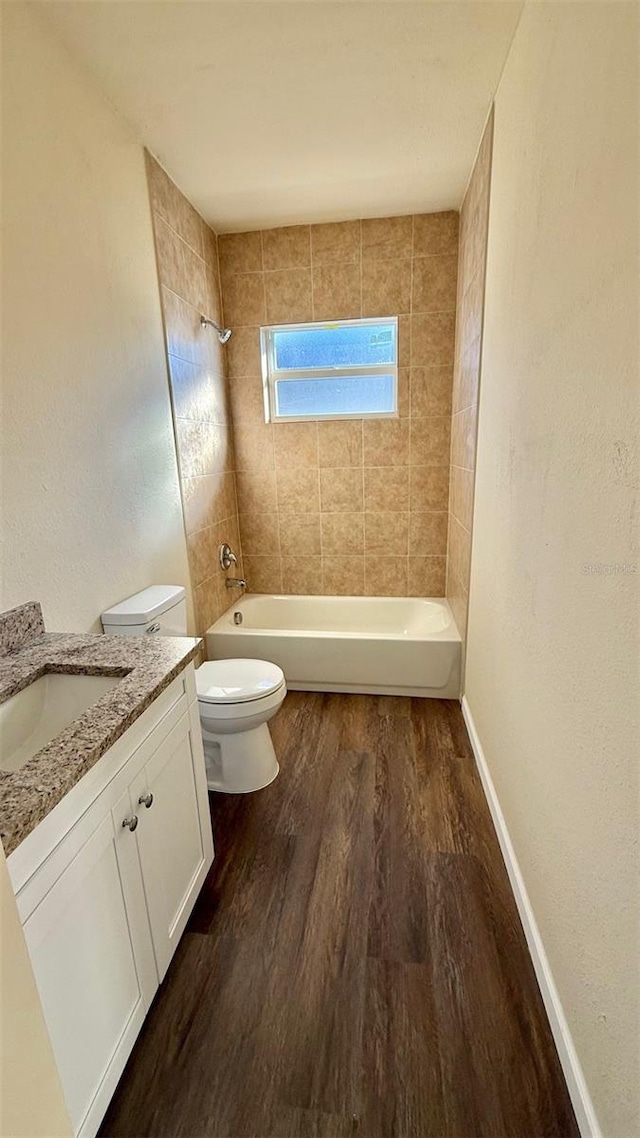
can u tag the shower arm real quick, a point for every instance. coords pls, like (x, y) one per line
(223, 333)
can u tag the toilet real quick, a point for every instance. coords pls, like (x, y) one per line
(236, 698)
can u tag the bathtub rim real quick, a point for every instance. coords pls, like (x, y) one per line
(225, 625)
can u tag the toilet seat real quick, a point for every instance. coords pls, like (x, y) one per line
(211, 713)
(231, 683)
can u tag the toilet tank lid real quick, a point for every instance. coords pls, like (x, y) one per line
(145, 606)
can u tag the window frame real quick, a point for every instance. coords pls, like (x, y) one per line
(271, 375)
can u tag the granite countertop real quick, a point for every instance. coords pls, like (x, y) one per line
(146, 666)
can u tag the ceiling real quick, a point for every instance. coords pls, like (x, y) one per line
(269, 113)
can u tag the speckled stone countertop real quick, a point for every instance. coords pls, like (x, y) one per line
(147, 667)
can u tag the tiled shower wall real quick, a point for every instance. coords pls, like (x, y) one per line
(187, 257)
(474, 219)
(352, 507)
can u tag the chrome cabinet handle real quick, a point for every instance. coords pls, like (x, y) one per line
(152, 628)
(146, 800)
(130, 823)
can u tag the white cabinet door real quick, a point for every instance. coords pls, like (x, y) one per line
(174, 833)
(93, 966)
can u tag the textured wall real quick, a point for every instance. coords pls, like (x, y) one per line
(552, 654)
(187, 256)
(356, 506)
(90, 497)
(474, 217)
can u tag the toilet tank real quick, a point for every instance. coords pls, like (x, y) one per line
(160, 610)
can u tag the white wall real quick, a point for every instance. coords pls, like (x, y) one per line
(91, 508)
(552, 670)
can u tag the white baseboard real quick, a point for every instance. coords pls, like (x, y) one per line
(576, 1084)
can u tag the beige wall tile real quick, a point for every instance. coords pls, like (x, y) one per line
(243, 352)
(431, 391)
(205, 603)
(189, 224)
(470, 311)
(209, 246)
(259, 533)
(428, 487)
(386, 288)
(463, 438)
(170, 256)
(335, 242)
(435, 281)
(461, 497)
(240, 253)
(430, 441)
(288, 296)
(386, 488)
(286, 248)
(386, 237)
(254, 447)
(341, 490)
(435, 233)
(385, 576)
(162, 191)
(459, 551)
(465, 391)
(426, 576)
(340, 443)
(386, 442)
(182, 326)
(208, 499)
(404, 341)
(256, 490)
(404, 392)
(302, 575)
(386, 533)
(336, 292)
(202, 550)
(298, 491)
(458, 598)
(343, 577)
(244, 300)
(342, 534)
(263, 574)
(197, 392)
(295, 444)
(246, 395)
(432, 339)
(195, 288)
(213, 307)
(300, 534)
(203, 448)
(428, 532)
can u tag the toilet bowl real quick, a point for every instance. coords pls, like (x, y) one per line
(236, 699)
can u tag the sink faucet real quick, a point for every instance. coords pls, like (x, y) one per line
(235, 583)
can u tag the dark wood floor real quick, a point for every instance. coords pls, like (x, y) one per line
(355, 964)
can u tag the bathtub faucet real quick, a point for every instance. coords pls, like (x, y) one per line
(236, 583)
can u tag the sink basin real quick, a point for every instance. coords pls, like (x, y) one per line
(34, 716)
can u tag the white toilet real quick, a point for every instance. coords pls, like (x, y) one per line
(236, 698)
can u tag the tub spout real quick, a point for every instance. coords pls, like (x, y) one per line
(236, 583)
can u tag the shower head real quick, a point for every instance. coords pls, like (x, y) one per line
(223, 333)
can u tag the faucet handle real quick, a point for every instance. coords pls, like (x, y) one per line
(226, 556)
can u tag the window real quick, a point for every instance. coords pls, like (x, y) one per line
(342, 370)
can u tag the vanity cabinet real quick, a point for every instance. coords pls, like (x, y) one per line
(104, 887)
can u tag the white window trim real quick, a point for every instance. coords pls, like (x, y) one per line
(271, 375)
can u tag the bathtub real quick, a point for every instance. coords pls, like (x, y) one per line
(378, 645)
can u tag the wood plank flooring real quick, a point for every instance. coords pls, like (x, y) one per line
(355, 965)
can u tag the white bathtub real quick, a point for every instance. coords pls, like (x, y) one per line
(381, 645)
